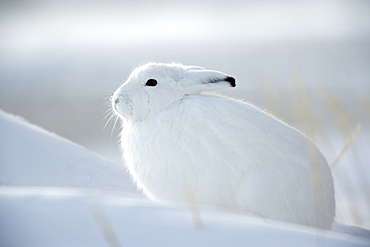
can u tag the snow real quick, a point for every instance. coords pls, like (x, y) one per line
(56, 193)
(31, 156)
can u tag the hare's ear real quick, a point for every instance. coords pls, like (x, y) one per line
(193, 67)
(198, 80)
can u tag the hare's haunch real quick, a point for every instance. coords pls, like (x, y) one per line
(225, 153)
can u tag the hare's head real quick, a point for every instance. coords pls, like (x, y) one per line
(155, 86)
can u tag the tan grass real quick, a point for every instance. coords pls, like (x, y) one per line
(302, 109)
(345, 147)
(194, 209)
(105, 227)
(366, 104)
(335, 108)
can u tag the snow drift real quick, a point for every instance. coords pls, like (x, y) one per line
(56, 193)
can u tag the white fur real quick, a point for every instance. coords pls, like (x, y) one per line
(223, 152)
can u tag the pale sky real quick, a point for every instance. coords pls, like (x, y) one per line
(95, 23)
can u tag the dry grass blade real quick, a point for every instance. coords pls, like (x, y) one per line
(194, 209)
(337, 111)
(366, 104)
(346, 145)
(269, 96)
(105, 227)
(302, 107)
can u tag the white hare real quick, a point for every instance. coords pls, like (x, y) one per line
(223, 152)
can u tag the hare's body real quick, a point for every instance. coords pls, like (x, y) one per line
(230, 155)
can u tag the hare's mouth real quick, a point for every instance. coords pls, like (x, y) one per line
(122, 107)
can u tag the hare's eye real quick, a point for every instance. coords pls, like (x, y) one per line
(151, 83)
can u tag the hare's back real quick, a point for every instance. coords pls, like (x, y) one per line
(249, 131)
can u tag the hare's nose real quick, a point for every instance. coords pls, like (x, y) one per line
(115, 100)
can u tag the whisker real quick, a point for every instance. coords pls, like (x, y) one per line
(110, 118)
(114, 125)
(108, 113)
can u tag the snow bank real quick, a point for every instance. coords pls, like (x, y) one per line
(31, 156)
(59, 217)
(56, 193)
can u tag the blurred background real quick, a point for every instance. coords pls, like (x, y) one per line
(306, 62)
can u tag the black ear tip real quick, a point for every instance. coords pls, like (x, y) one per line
(231, 80)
